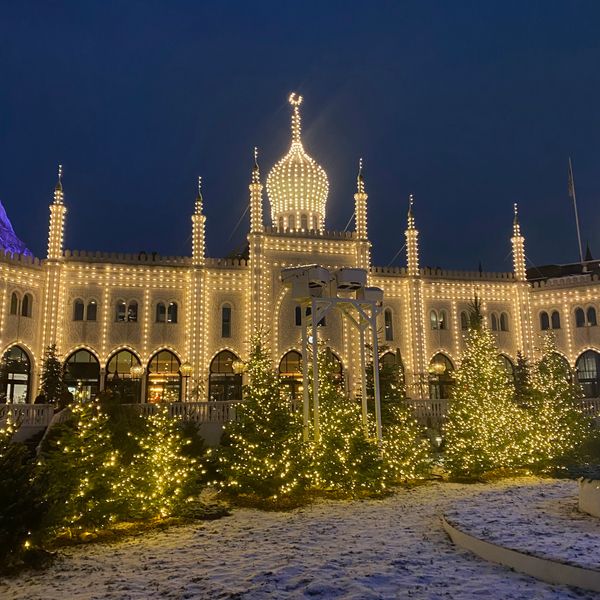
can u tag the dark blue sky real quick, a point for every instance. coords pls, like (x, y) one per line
(470, 106)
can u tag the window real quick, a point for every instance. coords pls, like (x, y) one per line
(280, 223)
(579, 317)
(591, 316)
(440, 377)
(172, 312)
(132, 311)
(78, 310)
(119, 378)
(226, 321)
(82, 375)
(544, 321)
(588, 373)
(163, 380)
(298, 316)
(14, 303)
(503, 322)
(27, 305)
(223, 382)
(121, 311)
(464, 321)
(388, 325)
(292, 222)
(15, 376)
(433, 320)
(443, 322)
(304, 222)
(494, 321)
(161, 312)
(290, 373)
(555, 320)
(92, 310)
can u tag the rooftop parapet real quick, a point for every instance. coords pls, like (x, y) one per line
(20, 259)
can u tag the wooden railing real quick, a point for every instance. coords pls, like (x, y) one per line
(429, 413)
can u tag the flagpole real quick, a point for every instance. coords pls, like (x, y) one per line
(572, 194)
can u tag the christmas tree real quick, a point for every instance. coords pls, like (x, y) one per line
(485, 429)
(266, 456)
(52, 386)
(523, 389)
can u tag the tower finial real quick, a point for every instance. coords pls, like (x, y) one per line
(58, 186)
(296, 100)
(256, 169)
(199, 199)
(360, 182)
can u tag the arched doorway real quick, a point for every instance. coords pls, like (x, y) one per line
(82, 375)
(223, 382)
(15, 376)
(391, 376)
(163, 380)
(508, 366)
(588, 373)
(119, 378)
(290, 374)
(440, 377)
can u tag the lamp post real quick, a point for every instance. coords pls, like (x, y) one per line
(136, 373)
(185, 371)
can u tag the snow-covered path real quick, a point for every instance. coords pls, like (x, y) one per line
(390, 548)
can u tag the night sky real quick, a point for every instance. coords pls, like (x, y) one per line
(470, 106)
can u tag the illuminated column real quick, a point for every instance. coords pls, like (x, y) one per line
(360, 212)
(256, 253)
(415, 309)
(518, 248)
(198, 227)
(53, 318)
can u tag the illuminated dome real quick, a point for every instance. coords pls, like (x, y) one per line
(297, 186)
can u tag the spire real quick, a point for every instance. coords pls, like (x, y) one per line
(411, 217)
(412, 242)
(255, 187)
(516, 225)
(58, 188)
(518, 247)
(360, 212)
(198, 229)
(360, 183)
(199, 199)
(256, 169)
(296, 100)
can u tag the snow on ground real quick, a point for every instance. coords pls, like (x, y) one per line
(540, 519)
(373, 549)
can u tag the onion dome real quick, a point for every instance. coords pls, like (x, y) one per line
(297, 186)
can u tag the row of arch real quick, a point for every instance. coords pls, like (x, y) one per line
(124, 311)
(583, 318)
(21, 305)
(291, 222)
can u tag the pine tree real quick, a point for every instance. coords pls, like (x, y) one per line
(345, 458)
(522, 374)
(52, 386)
(266, 456)
(485, 429)
(560, 427)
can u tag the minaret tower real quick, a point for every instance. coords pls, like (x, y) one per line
(198, 229)
(360, 220)
(58, 210)
(256, 258)
(518, 248)
(412, 244)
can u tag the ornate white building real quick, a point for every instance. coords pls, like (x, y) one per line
(173, 327)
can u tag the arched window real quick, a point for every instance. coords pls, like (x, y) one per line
(494, 321)
(223, 382)
(161, 312)
(588, 373)
(443, 321)
(298, 316)
(507, 366)
(292, 222)
(119, 378)
(78, 308)
(315, 223)
(591, 316)
(172, 312)
(163, 380)
(555, 320)
(226, 321)
(440, 377)
(280, 223)
(304, 222)
(27, 305)
(14, 303)
(290, 373)
(132, 311)
(464, 320)
(15, 376)
(390, 370)
(92, 310)
(433, 320)
(82, 375)
(388, 325)
(579, 317)
(121, 311)
(544, 321)
(503, 321)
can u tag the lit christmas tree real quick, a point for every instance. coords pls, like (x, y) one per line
(52, 385)
(555, 406)
(266, 456)
(485, 429)
(523, 389)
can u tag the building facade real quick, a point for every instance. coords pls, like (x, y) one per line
(177, 328)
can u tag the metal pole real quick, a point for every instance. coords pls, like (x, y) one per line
(572, 190)
(315, 348)
(363, 379)
(376, 388)
(305, 379)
